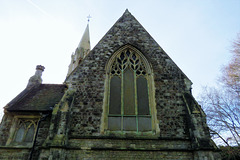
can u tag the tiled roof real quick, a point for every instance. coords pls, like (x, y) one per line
(42, 97)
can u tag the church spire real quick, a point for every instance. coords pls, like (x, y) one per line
(81, 51)
(85, 41)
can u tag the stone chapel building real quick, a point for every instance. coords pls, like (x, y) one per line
(123, 99)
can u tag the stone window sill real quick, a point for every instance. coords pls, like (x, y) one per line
(16, 147)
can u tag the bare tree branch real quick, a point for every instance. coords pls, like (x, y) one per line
(222, 104)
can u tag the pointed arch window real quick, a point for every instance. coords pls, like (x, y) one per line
(128, 93)
(25, 130)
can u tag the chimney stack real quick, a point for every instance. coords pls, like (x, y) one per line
(37, 78)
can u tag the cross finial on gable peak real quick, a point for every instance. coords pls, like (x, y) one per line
(89, 17)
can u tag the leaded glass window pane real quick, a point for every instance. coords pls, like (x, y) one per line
(30, 134)
(115, 95)
(128, 92)
(142, 96)
(129, 124)
(144, 124)
(114, 123)
(20, 134)
(25, 131)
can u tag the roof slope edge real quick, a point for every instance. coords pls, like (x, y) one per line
(122, 33)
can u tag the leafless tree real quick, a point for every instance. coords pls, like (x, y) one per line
(231, 72)
(222, 103)
(223, 114)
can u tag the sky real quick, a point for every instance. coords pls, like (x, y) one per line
(196, 34)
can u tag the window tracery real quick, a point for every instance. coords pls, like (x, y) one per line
(129, 94)
(25, 130)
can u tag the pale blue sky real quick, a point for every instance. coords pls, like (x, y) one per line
(196, 34)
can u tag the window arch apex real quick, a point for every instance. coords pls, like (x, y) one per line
(129, 95)
(133, 51)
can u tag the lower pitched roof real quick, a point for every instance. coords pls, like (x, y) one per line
(41, 97)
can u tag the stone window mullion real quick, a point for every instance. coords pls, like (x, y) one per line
(129, 93)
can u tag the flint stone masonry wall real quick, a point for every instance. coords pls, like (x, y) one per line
(5, 128)
(14, 154)
(43, 131)
(89, 79)
(42, 136)
(130, 155)
(115, 155)
(132, 144)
